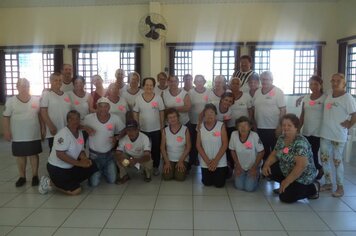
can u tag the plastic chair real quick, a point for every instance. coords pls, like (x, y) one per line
(348, 147)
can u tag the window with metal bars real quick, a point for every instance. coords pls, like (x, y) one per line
(103, 63)
(182, 64)
(224, 63)
(351, 70)
(34, 66)
(291, 68)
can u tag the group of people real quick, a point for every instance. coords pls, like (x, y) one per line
(239, 127)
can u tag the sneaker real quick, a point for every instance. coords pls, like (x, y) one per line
(317, 188)
(155, 171)
(339, 192)
(44, 187)
(35, 181)
(147, 179)
(123, 180)
(20, 182)
(326, 187)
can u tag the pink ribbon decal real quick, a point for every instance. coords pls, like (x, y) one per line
(34, 106)
(76, 102)
(179, 139)
(272, 93)
(227, 117)
(311, 103)
(217, 133)
(248, 145)
(154, 104)
(121, 108)
(80, 141)
(328, 106)
(285, 150)
(128, 146)
(66, 99)
(178, 100)
(205, 98)
(109, 126)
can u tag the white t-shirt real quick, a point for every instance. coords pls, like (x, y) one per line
(65, 141)
(131, 98)
(240, 108)
(267, 107)
(213, 98)
(175, 143)
(101, 141)
(80, 104)
(135, 148)
(222, 116)
(211, 142)
(171, 101)
(336, 111)
(313, 115)
(67, 87)
(149, 112)
(24, 121)
(247, 151)
(120, 108)
(159, 91)
(57, 106)
(198, 101)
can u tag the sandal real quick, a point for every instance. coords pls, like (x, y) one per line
(326, 187)
(317, 188)
(339, 192)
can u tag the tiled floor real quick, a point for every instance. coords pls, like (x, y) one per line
(168, 208)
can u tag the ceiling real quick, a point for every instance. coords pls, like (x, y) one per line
(76, 3)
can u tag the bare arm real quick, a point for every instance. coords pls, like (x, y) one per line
(91, 104)
(161, 119)
(301, 118)
(188, 146)
(349, 123)
(6, 127)
(47, 120)
(187, 105)
(200, 149)
(81, 162)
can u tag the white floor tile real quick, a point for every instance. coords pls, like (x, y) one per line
(214, 220)
(168, 202)
(28, 200)
(264, 233)
(130, 219)
(166, 232)
(77, 231)
(310, 233)
(212, 203)
(257, 221)
(350, 201)
(200, 189)
(47, 217)
(13, 216)
(62, 201)
(32, 231)
(137, 202)
(329, 204)
(250, 203)
(124, 232)
(301, 221)
(215, 233)
(85, 218)
(172, 220)
(176, 188)
(100, 202)
(5, 229)
(340, 220)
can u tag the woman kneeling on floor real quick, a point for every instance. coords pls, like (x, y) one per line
(291, 164)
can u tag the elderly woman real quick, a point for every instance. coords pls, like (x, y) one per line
(247, 151)
(55, 105)
(291, 164)
(68, 164)
(149, 113)
(224, 107)
(120, 76)
(175, 147)
(134, 89)
(339, 116)
(118, 105)
(22, 127)
(219, 88)
(211, 144)
(312, 114)
(162, 83)
(269, 107)
(99, 92)
(253, 84)
(177, 98)
(187, 82)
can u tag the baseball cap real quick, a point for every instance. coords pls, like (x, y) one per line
(103, 100)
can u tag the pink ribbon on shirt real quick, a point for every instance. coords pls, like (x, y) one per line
(179, 139)
(66, 99)
(206, 98)
(154, 104)
(178, 100)
(248, 145)
(312, 103)
(109, 126)
(80, 141)
(272, 93)
(217, 134)
(121, 108)
(128, 146)
(34, 106)
(329, 106)
(286, 150)
(76, 102)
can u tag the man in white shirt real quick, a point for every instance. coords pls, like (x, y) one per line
(134, 150)
(67, 78)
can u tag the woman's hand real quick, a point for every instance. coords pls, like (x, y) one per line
(7, 136)
(266, 170)
(253, 172)
(238, 170)
(85, 163)
(166, 167)
(283, 186)
(213, 165)
(180, 166)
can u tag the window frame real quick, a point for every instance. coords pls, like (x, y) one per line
(313, 45)
(344, 64)
(57, 51)
(95, 48)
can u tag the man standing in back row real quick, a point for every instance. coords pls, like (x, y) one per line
(245, 73)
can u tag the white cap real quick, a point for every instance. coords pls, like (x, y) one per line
(103, 100)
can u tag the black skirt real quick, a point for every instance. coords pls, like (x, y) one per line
(29, 148)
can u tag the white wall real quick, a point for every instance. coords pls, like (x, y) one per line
(304, 21)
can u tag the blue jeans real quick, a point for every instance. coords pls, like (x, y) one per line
(246, 182)
(106, 167)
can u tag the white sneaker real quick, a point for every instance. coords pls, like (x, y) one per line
(155, 171)
(44, 187)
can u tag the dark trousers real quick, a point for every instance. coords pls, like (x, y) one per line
(315, 145)
(268, 138)
(155, 137)
(216, 178)
(295, 191)
(193, 154)
(50, 143)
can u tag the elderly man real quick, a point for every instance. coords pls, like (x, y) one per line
(106, 128)
(67, 78)
(245, 73)
(134, 150)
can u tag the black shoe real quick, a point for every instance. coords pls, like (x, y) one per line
(320, 174)
(35, 181)
(276, 191)
(147, 179)
(317, 188)
(20, 182)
